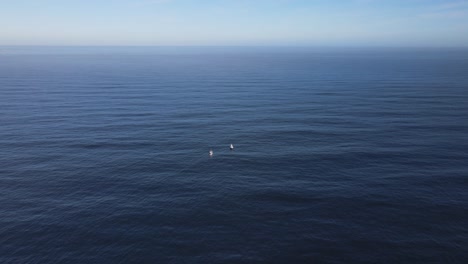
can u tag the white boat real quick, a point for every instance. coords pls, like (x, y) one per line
(231, 147)
(211, 152)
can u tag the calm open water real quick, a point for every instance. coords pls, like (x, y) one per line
(341, 155)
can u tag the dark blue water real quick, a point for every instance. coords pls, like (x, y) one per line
(341, 155)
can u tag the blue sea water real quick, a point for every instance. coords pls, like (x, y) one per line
(341, 155)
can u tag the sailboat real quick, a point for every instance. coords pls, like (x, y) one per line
(231, 147)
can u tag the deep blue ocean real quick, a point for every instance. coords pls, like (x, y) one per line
(341, 155)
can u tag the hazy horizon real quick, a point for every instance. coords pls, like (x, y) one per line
(296, 23)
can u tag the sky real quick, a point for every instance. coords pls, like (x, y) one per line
(407, 23)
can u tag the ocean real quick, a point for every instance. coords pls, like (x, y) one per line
(342, 155)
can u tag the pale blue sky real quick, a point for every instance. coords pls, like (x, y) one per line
(235, 22)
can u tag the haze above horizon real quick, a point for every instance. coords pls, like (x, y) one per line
(425, 23)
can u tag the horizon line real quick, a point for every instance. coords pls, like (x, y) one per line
(235, 46)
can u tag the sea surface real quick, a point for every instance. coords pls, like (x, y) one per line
(341, 155)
